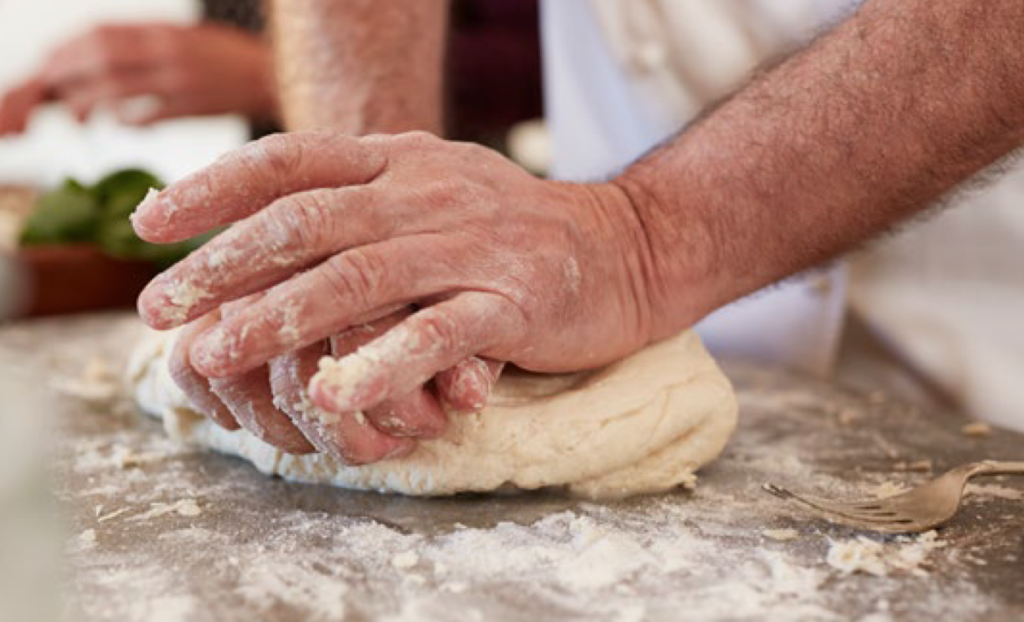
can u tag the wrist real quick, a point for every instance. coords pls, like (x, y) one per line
(620, 266)
(672, 258)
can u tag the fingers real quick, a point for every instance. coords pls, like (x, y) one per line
(292, 233)
(17, 105)
(163, 108)
(467, 386)
(249, 398)
(347, 437)
(110, 48)
(356, 286)
(428, 342)
(83, 97)
(416, 414)
(248, 179)
(197, 387)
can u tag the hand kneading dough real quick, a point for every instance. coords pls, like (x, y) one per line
(641, 425)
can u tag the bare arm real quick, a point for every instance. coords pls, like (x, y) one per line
(360, 66)
(869, 125)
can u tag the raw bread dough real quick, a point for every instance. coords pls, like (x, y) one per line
(644, 424)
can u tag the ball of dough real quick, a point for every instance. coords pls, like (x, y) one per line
(644, 424)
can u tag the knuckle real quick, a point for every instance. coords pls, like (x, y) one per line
(439, 330)
(355, 276)
(475, 152)
(277, 154)
(418, 139)
(443, 192)
(304, 220)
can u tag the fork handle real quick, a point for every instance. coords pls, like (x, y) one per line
(997, 467)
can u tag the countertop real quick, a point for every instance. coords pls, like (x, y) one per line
(154, 531)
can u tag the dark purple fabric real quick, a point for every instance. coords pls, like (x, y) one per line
(493, 67)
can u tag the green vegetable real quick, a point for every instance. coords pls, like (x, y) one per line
(66, 214)
(100, 214)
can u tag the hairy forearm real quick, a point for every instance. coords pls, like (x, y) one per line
(360, 66)
(867, 126)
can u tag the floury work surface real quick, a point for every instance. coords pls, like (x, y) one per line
(158, 532)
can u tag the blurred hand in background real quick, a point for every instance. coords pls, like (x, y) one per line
(149, 72)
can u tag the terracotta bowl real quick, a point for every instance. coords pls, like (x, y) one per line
(77, 278)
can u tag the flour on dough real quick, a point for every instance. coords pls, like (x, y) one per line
(642, 425)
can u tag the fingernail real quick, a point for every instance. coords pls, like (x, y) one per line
(147, 204)
(481, 388)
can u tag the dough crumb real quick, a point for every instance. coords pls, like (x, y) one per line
(977, 429)
(96, 382)
(848, 417)
(87, 539)
(110, 516)
(877, 398)
(183, 296)
(903, 555)
(889, 489)
(781, 535)
(920, 466)
(185, 507)
(406, 560)
(995, 491)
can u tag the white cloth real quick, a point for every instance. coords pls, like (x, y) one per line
(947, 295)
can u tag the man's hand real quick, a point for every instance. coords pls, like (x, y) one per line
(339, 231)
(861, 130)
(187, 70)
(272, 401)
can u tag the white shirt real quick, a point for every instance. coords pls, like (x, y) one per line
(623, 75)
(948, 296)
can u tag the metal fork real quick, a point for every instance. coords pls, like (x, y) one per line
(919, 509)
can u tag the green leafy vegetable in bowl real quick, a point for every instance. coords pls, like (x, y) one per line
(99, 214)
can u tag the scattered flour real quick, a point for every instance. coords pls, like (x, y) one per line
(183, 296)
(97, 382)
(87, 539)
(185, 507)
(406, 560)
(919, 466)
(277, 551)
(976, 490)
(905, 554)
(889, 489)
(781, 535)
